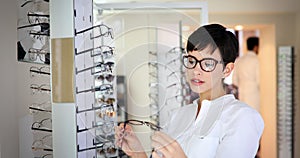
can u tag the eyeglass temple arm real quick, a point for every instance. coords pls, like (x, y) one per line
(90, 28)
(32, 25)
(38, 109)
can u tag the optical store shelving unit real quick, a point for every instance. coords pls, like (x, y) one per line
(84, 86)
(33, 48)
(285, 102)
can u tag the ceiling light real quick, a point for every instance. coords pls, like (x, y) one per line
(238, 27)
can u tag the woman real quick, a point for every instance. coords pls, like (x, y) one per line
(216, 124)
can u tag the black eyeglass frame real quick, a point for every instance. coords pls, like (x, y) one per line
(37, 16)
(199, 61)
(139, 122)
(108, 33)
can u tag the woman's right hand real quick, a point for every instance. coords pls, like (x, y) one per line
(128, 141)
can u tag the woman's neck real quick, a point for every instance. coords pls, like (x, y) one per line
(209, 96)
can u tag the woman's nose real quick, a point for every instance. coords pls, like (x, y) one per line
(197, 70)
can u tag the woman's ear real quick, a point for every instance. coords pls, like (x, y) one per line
(228, 69)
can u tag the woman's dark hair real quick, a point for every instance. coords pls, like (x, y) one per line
(214, 36)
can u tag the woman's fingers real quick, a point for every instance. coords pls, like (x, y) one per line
(166, 146)
(161, 152)
(160, 139)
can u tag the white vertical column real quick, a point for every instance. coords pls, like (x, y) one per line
(62, 79)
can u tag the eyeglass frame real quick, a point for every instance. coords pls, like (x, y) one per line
(108, 67)
(92, 50)
(40, 124)
(109, 31)
(96, 146)
(101, 88)
(40, 88)
(46, 155)
(34, 53)
(43, 146)
(147, 123)
(39, 70)
(39, 109)
(107, 77)
(37, 15)
(199, 61)
(95, 126)
(29, 1)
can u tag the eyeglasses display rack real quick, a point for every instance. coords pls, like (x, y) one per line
(95, 85)
(41, 112)
(153, 88)
(33, 28)
(285, 102)
(168, 87)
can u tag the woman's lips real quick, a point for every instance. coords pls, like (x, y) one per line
(197, 82)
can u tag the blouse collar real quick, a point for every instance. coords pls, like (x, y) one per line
(214, 109)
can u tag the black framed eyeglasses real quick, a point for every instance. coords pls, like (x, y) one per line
(40, 107)
(34, 18)
(43, 125)
(206, 64)
(104, 30)
(99, 67)
(139, 122)
(104, 51)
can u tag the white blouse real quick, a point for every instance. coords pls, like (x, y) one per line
(224, 128)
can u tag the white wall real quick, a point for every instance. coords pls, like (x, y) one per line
(8, 109)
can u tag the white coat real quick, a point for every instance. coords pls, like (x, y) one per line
(246, 78)
(224, 128)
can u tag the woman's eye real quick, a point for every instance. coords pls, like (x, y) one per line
(191, 61)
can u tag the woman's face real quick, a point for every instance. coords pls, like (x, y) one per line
(203, 82)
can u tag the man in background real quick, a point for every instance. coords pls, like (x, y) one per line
(246, 75)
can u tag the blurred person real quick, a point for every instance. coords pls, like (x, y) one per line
(246, 75)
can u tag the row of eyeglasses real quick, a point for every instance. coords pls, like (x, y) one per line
(38, 31)
(41, 112)
(285, 108)
(99, 135)
(167, 84)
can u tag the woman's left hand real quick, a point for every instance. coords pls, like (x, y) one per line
(166, 147)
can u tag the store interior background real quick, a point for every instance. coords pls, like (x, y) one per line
(277, 21)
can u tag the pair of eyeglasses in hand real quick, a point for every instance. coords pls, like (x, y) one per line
(139, 122)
